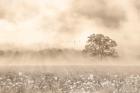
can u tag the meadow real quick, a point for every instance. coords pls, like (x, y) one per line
(69, 79)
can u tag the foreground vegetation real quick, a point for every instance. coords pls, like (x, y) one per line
(74, 82)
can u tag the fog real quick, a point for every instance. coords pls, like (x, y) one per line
(66, 24)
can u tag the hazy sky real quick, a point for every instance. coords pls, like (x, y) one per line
(67, 23)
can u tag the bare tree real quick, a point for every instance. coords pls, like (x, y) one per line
(100, 45)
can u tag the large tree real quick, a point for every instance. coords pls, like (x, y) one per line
(100, 45)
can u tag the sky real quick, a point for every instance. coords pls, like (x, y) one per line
(67, 23)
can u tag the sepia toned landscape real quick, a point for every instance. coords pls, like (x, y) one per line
(69, 46)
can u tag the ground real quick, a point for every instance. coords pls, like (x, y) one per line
(69, 79)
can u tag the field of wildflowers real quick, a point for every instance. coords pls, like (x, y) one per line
(73, 82)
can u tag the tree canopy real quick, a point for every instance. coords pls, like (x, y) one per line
(100, 45)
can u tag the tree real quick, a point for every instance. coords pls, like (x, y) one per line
(100, 45)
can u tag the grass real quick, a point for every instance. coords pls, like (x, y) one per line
(69, 79)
